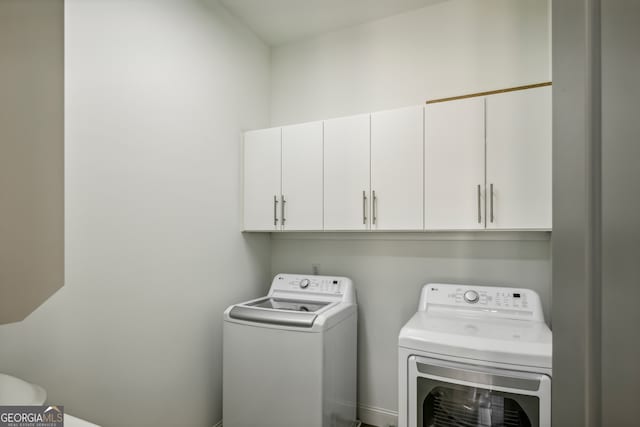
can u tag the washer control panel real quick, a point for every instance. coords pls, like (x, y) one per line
(316, 284)
(492, 300)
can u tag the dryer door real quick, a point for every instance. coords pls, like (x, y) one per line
(450, 394)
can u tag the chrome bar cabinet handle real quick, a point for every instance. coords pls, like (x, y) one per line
(275, 210)
(282, 210)
(364, 207)
(374, 208)
(491, 202)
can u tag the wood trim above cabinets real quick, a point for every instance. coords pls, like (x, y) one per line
(491, 92)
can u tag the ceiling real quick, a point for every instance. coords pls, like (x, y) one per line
(281, 21)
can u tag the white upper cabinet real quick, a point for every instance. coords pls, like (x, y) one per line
(454, 165)
(467, 164)
(397, 145)
(262, 179)
(519, 159)
(346, 173)
(301, 201)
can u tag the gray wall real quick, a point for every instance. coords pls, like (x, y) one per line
(389, 271)
(157, 96)
(596, 223)
(620, 38)
(576, 280)
(31, 154)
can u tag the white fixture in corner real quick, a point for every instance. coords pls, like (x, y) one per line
(16, 392)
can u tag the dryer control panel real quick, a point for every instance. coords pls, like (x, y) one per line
(494, 301)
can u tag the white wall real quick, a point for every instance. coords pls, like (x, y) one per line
(451, 48)
(157, 93)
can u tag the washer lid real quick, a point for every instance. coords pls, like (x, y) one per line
(274, 317)
(279, 311)
(518, 342)
(306, 306)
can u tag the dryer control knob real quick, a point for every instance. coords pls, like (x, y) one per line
(304, 283)
(471, 297)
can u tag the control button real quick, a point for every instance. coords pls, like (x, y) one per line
(304, 283)
(471, 297)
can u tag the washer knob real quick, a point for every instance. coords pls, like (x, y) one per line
(471, 297)
(304, 283)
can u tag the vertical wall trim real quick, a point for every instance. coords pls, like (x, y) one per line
(594, 209)
(576, 240)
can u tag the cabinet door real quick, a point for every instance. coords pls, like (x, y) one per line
(346, 173)
(302, 176)
(262, 180)
(454, 165)
(397, 145)
(519, 159)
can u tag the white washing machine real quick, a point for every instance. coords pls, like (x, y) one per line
(475, 356)
(289, 359)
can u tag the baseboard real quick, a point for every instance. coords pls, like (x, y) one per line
(371, 415)
(356, 424)
(378, 417)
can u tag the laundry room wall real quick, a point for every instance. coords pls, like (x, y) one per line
(449, 48)
(452, 47)
(157, 95)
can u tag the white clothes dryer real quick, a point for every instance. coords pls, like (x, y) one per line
(475, 356)
(289, 359)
